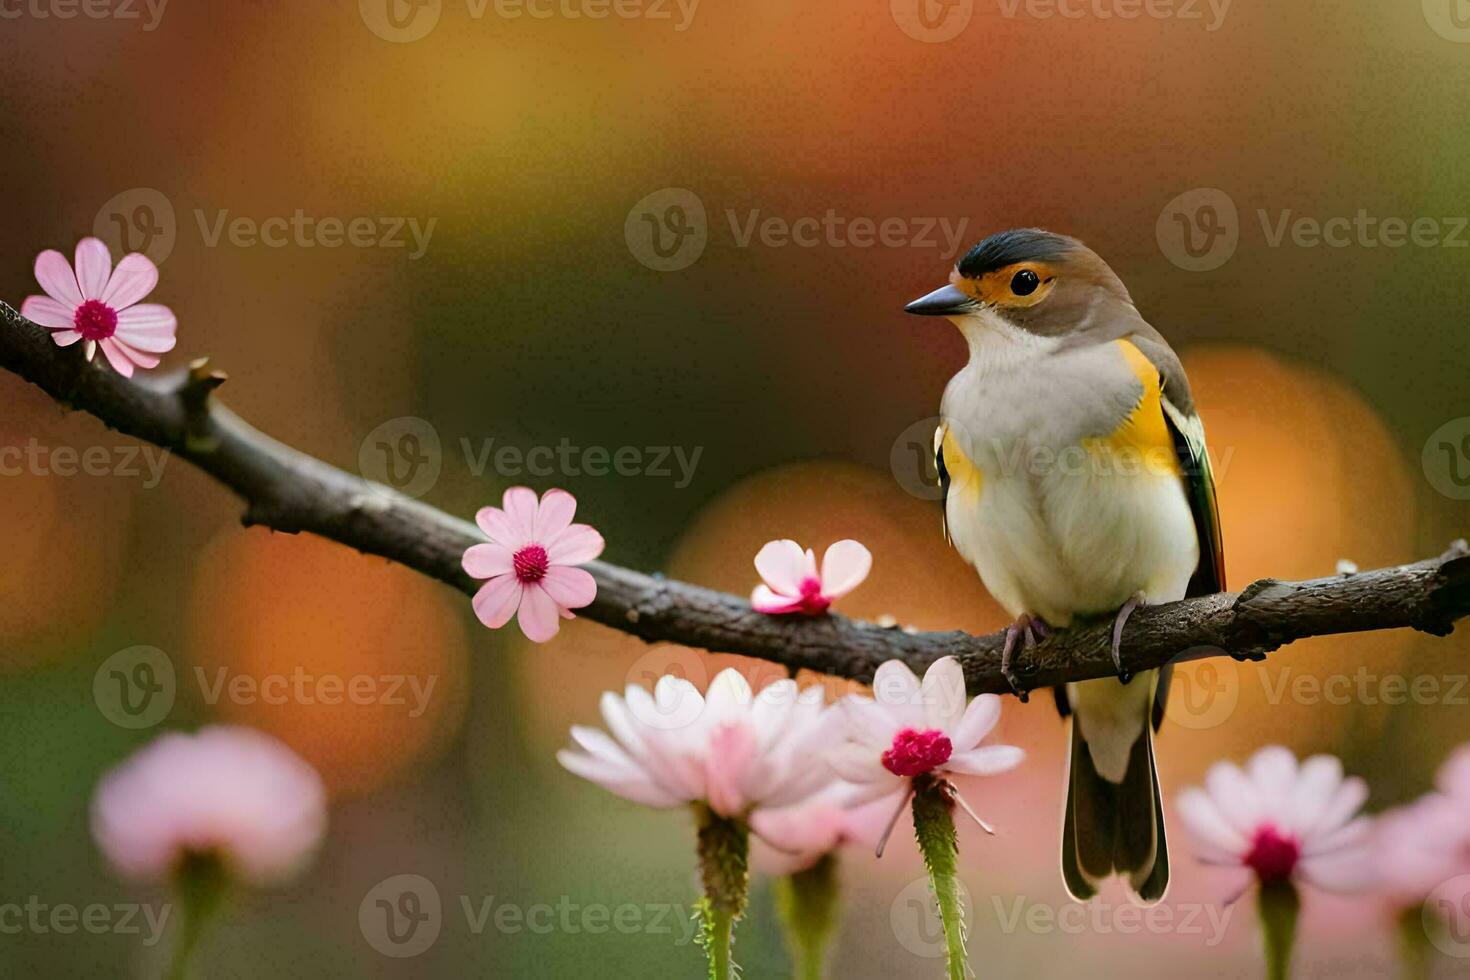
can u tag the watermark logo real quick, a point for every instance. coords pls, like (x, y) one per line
(667, 230)
(400, 21)
(401, 916)
(1446, 917)
(135, 688)
(914, 918)
(1446, 459)
(932, 21)
(1203, 694)
(1450, 19)
(140, 219)
(402, 453)
(1199, 229)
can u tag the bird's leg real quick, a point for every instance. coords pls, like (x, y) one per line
(1025, 629)
(1122, 619)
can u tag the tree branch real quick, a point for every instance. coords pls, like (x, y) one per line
(289, 491)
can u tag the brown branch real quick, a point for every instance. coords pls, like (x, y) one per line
(289, 491)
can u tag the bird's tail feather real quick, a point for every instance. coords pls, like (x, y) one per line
(1114, 828)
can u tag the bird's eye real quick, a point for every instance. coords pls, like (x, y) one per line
(1024, 283)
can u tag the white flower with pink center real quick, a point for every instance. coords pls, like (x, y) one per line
(530, 562)
(99, 305)
(1281, 821)
(793, 582)
(230, 793)
(910, 729)
(729, 748)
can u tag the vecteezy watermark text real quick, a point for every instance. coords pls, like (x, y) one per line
(67, 461)
(403, 915)
(1105, 918)
(405, 21)
(90, 9)
(566, 459)
(668, 230)
(96, 918)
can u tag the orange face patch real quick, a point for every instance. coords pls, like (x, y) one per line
(998, 287)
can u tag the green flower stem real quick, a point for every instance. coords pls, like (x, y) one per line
(934, 827)
(199, 884)
(1279, 905)
(724, 846)
(1414, 956)
(807, 904)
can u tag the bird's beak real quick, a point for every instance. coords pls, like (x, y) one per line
(943, 301)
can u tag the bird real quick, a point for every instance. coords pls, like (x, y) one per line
(1077, 483)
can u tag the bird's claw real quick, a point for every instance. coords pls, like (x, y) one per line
(1117, 649)
(1025, 629)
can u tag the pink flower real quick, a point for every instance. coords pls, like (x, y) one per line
(1280, 821)
(99, 305)
(1420, 846)
(910, 729)
(796, 837)
(231, 792)
(529, 562)
(793, 584)
(731, 749)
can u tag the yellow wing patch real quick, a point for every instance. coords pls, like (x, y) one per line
(965, 477)
(1143, 440)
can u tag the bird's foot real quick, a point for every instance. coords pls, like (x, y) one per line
(1122, 619)
(1025, 629)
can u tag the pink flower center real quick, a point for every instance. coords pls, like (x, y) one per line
(914, 753)
(1273, 856)
(95, 320)
(531, 563)
(812, 601)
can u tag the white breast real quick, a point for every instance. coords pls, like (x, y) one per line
(1058, 529)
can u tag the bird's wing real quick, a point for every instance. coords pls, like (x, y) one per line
(943, 474)
(1188, 433)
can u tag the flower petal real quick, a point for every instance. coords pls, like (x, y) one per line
(1215, 837)
(520, 507)
(895, 685)
(48, 313)
(500, 529)
(978, 720)
(942, 694)
(538, 614)
(844, 567)
(570, 588)
(54, 274)
(986, 761)
(134, 278)
(553, 515)
(487, 560)
(93, 266)
(577, 544)
(782, 564)
(1273, 769)
(147, 326)
(497, 600)
(65, 338)
(116, 357)
(763, 600)
(139, 358)
(637, 789)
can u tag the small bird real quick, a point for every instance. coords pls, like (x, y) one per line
(1076, 482)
